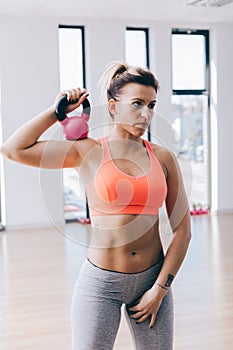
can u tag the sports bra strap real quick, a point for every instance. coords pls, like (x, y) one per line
(107, 153)
(148, 146)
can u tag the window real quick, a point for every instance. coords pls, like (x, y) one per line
(72, 73)
(137, 47)
(71, 56)
(190, 106)
(189, 62)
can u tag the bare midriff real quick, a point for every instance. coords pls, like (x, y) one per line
(125, 243)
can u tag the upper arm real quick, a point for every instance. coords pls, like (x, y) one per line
(52, 154)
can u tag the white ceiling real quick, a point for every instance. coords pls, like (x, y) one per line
(159, 10)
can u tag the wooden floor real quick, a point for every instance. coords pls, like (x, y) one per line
(38, 269)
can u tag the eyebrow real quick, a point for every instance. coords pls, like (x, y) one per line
(139, 99)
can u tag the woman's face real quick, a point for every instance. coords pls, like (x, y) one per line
(135, 108)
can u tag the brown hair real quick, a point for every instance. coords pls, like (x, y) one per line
(118, 74)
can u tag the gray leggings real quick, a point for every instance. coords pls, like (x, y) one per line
(96, 309)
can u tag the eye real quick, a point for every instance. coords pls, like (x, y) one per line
(151, 106)
(137, 103)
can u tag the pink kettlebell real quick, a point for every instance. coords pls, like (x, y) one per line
(76, 127)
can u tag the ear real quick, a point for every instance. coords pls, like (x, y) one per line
(112, 107)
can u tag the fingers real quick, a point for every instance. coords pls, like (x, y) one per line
(138, 314)
(75, 94)
(152, 321)
(141, 315)
(134, 308)
(142, 319)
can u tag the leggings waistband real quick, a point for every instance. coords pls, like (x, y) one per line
(155, 266)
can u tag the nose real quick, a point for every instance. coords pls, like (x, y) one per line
(146, 112)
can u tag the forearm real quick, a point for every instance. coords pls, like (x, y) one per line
(174, 258)
(151, 300)
(29, 133)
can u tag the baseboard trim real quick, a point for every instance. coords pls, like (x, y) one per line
(223, 212)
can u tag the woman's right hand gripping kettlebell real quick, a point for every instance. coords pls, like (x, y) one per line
(76, 96)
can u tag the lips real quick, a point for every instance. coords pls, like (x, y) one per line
(142, 125)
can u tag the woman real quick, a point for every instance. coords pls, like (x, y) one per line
(127, 180)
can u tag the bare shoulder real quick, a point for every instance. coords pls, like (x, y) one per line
(166, 157)
(89, 153)
(86, 145)
(160, 151)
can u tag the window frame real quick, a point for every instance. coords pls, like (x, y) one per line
(205, 92)
(205, 33)
(82, 28)
(146, 31)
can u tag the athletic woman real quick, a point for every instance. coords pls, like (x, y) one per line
(127, 180)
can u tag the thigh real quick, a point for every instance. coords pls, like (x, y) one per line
(160, 337)
(95, 315)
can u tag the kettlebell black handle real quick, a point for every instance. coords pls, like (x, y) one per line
(63, 103)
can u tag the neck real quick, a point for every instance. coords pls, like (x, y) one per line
(120, 133)
(123, 141)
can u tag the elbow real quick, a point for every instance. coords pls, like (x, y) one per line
(4, 151)
(8, 152)
(187, 229)
(187, 237)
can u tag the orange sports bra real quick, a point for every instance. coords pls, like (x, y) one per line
(113, 192)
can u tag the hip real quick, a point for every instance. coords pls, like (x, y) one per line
(95, 282)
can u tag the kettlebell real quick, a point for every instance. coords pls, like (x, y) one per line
(75, 127)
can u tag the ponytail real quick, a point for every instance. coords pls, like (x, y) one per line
(112, 70)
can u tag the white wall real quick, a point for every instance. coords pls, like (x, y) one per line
(222, 118)
(29, 83)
